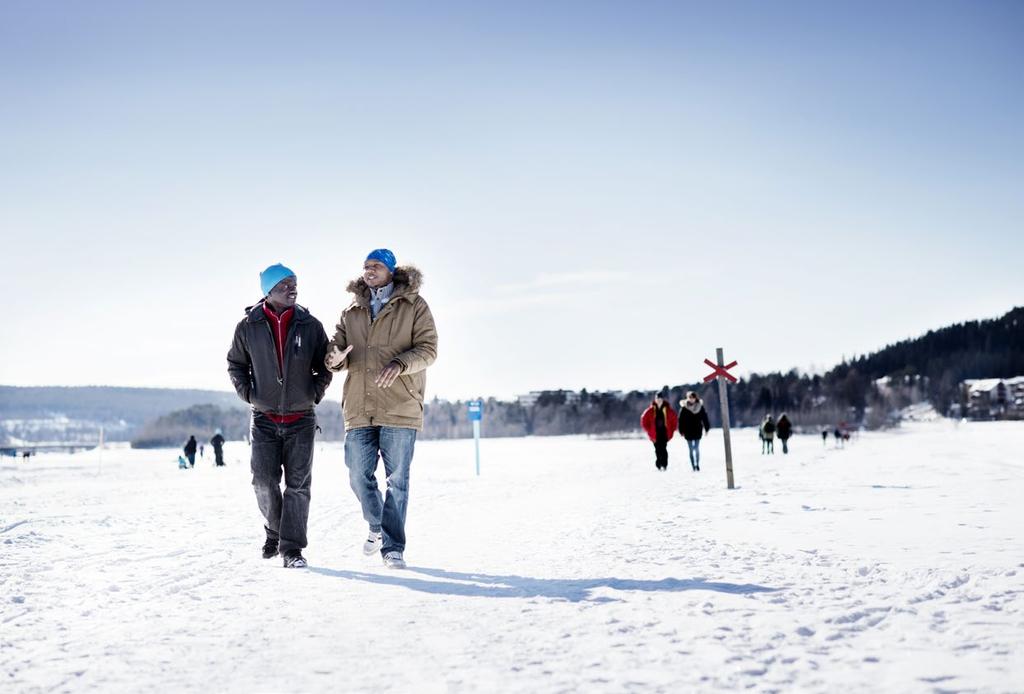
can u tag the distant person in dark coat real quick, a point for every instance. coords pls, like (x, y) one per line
(784, 428)
(660, 421)
(218, 447)
(190, 450)
(838, 433)
(768, 435)
(824, 437)
(693, 423)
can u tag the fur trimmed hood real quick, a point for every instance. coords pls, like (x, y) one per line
(407, 278)
(693, 407)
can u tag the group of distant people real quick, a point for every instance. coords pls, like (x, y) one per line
(841, 436)
(771, 428)
(661, 422)
(191, 446)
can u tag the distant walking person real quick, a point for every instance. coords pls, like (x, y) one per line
(768, 435)
(660, 421)
(386, 339)
(276, 364)
(838, 433)
(218, 448)
(693, 424)
(190, 450)
(784, 428)
(824, 437)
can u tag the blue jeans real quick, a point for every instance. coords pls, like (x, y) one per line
(395, 447)
(694, 446)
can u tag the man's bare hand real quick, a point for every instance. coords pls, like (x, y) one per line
(335, 357)
(388, 374)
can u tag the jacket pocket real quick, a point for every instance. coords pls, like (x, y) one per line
(404, 398)
(348, 408)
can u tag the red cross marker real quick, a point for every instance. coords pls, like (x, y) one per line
(719, 371)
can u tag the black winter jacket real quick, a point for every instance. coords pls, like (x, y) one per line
(254, 370)
(692, 426)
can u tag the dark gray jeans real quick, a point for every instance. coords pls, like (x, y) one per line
(287, 447)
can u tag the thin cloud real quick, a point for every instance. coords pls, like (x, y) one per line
(565, 280)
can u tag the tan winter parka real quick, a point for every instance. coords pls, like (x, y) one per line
(403, 332)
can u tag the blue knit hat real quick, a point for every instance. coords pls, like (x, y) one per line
(385, 256)
(272, 275)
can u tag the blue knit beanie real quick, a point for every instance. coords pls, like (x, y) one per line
(272, 275)
(385, 256)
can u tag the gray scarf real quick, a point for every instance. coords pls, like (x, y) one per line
(379, 297)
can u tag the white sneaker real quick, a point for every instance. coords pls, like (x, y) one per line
(393, 560)
(372, 544)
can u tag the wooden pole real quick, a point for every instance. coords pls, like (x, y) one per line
(723, 399)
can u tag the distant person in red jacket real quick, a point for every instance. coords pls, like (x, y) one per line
(660, 421)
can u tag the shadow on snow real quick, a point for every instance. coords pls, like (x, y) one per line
(574, 590)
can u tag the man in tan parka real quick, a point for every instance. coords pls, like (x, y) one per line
(386, 339)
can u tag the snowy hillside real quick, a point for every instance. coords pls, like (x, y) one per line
(75, 414)
(894, 564)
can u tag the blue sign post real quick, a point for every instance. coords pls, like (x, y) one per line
(475, 410)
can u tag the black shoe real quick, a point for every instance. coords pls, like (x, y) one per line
(294, 560)
(269, 548)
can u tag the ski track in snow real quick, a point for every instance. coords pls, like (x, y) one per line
(894, 564)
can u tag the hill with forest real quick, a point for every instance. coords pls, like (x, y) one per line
(76, 413)
(942, 359)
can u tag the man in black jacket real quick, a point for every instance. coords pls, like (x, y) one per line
(784, 429)
(218, 447)
(190, 450)
(276, 364)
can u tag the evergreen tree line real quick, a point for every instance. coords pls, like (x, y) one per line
(866, 391)
(809, 401)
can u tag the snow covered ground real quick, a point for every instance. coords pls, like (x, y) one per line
(894, 564)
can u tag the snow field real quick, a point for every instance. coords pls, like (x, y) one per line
(571, 564)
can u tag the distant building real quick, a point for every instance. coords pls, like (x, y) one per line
(995, 398)
(531, 398)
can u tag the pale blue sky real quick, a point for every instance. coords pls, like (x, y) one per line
(599, 194)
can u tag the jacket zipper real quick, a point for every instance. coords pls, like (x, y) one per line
(281, 371)
(292, 328)
(372, 321)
